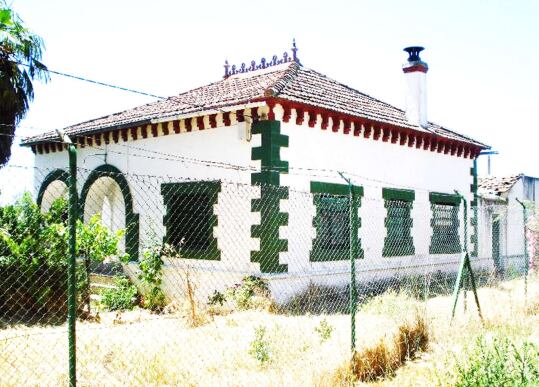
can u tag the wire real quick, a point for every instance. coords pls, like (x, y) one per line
(80, 78)
(297, 171)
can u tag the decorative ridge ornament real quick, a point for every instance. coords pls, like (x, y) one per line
(264, 63)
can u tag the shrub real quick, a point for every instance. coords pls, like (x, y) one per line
(151, 275)
(252, 293)
(324, 330)
(122, 297)
(499, 363)
(33, 258)
(260, 347)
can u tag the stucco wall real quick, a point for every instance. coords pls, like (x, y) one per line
(313, 154)
(147, 163)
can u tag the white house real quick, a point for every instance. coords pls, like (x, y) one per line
(250, 163)
(501, 219)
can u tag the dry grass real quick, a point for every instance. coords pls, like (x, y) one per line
(142, 348)
(506, 314)
(384, 358)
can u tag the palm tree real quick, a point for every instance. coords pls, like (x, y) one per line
(20, 56)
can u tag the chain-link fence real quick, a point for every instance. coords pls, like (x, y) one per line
(213, 282)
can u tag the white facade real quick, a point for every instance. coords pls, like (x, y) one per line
(224, 153)
(508, 213)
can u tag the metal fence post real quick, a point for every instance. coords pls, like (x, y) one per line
(354, 247)
(526, 258)
(72, 260)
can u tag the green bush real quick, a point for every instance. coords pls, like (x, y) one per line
(122, 297)
(151, 266)
(499, 363)
(260, 347)
(324, 330)
(252, 293)
(33, 258)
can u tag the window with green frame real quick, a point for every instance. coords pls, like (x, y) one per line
(398, 240)
(445, 224)
(189, 220)
(332, 221)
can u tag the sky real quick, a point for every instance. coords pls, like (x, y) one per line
(483, 58)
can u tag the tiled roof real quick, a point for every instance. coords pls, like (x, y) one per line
(497, 185)
(289, 82)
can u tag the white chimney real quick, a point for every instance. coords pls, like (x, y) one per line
(415, 72)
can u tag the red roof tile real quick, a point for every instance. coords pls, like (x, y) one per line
(289, 82)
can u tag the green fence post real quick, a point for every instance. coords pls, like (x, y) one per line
(72, 260)
(526, 258)
(465, 268)
(354, 252)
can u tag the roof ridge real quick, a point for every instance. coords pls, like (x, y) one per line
(288, 76)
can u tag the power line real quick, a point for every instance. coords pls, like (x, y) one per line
(84, 79)
(297, 171)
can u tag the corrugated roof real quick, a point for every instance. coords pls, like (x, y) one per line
(289, 82)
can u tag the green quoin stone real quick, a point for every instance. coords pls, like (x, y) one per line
(271, 193)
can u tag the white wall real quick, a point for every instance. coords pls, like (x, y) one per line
(147, 163)
(311, 153)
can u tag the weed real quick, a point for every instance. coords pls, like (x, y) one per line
(252, 293)
(122, 297)
(499, 363)
(217, 298)
(324, 330)
(151, 276)
(260, 347)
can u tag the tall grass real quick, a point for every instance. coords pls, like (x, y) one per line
(385, 357)
(499, 362)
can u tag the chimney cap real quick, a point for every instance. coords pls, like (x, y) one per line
(413, 53)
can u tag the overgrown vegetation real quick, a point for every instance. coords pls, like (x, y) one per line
(33, 259)
(260, 346)
(386, 356)
(122, 297)
(218, 353)
(252, 293)
(151, 276)
(324, 329)
(499, 362)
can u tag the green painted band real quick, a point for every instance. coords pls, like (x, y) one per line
(334, 189)
(404, 195)
(443, 198)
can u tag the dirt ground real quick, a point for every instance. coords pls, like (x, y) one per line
(140, 348)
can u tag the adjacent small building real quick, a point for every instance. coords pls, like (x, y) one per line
(503, 202)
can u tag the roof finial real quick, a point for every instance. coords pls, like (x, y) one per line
(264, 63)
(226, 68)
(294, 52)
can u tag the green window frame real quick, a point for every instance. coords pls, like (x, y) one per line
(332, 221)
(445, 224)
(190, 218)
(398, 241)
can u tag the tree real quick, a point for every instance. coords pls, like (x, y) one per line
(20, 65)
